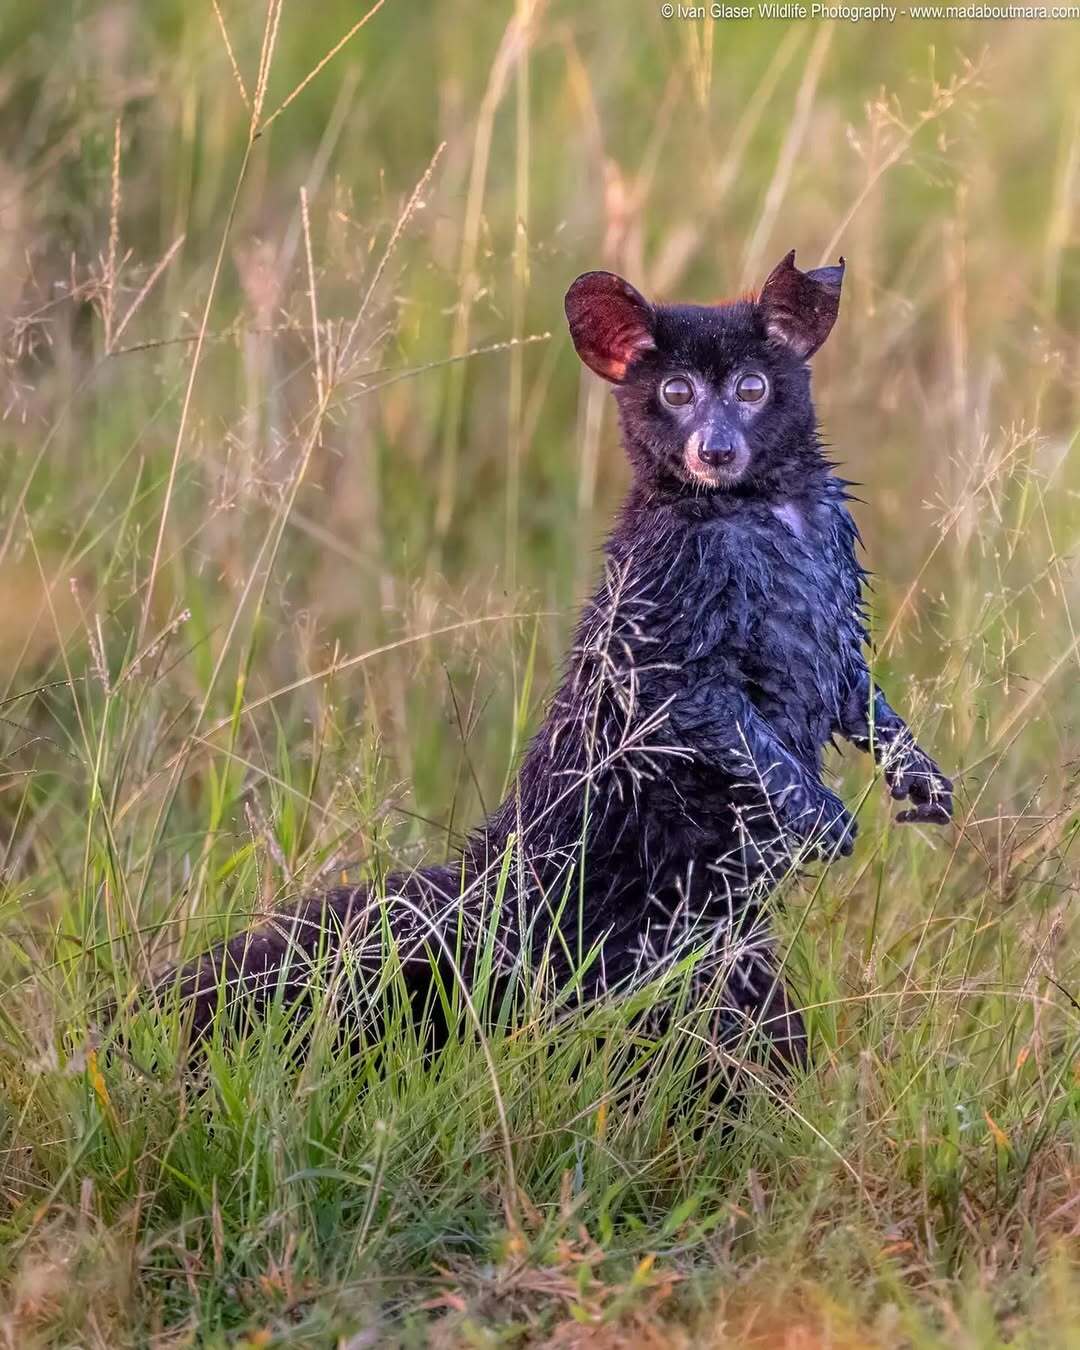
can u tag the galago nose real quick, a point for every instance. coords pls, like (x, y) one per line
(717, 456)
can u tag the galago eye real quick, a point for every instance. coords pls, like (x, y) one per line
(677, 392)
(751, 388)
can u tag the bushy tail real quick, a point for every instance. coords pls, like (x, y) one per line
(342, 930)
(275, 960)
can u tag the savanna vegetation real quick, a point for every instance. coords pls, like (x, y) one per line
(300, 483)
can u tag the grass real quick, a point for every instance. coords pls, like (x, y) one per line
(299, 486)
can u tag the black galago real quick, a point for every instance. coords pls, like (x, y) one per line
(677, 774)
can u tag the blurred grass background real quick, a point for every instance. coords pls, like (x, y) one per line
(279, 596)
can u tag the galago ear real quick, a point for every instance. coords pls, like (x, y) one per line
(800, 308)
(611, 324)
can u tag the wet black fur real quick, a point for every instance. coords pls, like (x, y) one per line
(677, 773)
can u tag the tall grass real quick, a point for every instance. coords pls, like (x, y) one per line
(300, 484)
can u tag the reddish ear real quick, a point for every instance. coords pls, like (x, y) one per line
(800, 307)
(610, 323)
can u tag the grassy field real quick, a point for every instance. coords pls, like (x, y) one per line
(300, 483)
